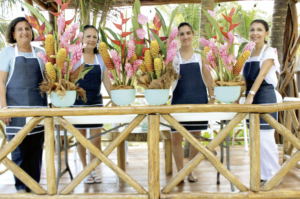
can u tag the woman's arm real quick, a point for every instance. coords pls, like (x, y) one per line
(208, 80)
(265, 68)
(107, 83)
(3, 78)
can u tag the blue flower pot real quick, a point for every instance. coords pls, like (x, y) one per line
(227, 94)
(123, 97)
(157, 96)
(63, 101)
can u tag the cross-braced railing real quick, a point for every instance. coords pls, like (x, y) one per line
(154, 114)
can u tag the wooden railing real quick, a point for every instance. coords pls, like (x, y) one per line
(154, 113)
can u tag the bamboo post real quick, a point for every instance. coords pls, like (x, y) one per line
(121, 156)
(19, 137)
(288, 125)
(254, 152)
(207, 153)
(285, 168)
(49, 146)
(102, 157)
(94, 163)
(294, 119)
(23, 176)
(168, 155)
(198, 158)
(153, 157)
(282, 130)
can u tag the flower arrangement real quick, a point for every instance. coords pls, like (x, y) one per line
(219, 51)
(63, 50)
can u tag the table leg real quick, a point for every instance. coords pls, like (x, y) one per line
(66, 154)
(121, 156)
(58, 174)
(228, 157)
(168, 157)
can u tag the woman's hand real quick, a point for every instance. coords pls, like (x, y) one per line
(6, 120)
(211, 101)
(249, 99)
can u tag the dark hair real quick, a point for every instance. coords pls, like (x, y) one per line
(96, 51)
(185, 24)
(11, 29)
(263, 22)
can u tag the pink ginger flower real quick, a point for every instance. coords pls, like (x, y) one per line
(224, 53)
(129, 70)
(142, 19)
(173, 34)
(80, 35)
(204, 42)
(73, 28)
(211, 58)
(172, 50)
(141, 33)
(136, 64)
(110, 75)
(208, 67)
(131, 49)
(231, 38)
(61, 23)
(231, 59)
(64, 70)
(249, 46)
(42, 56)
(212, 13)
(77, 54)
(116, 59)
(212, 45)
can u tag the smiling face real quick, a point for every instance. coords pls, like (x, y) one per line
(258, 33)
(90, 38)
(185, 35)
(22, 32)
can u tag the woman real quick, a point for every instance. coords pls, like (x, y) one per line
(21, 72)
(260, 75)
(91, 83)
(189, 89)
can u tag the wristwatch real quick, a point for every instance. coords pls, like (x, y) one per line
(252, 92)
(212, 97)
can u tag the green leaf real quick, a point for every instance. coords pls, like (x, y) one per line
(174, 12)
(139, 49)
(214, 23)
(112, 33)
(201, 53)
(39, 16)
(75, 40)
(85, 71)
(208, 31)
(163, 24)
(160, 43)
(104, 38)
(135, 26)
(241, 48)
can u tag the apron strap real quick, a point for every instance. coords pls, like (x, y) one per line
(262, 52)
(17, 51)
(96, 58)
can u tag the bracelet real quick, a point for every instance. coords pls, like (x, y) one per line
(212, 97)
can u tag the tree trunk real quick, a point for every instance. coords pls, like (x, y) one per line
(207, 5)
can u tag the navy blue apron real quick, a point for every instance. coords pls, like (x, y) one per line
(22, 90)
(91, 83)
(190, 89)
(266, 92)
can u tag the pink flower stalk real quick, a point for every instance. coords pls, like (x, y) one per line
(142, 19)
(64, 70)
(249, 46)
(212, 45)
(231, 38)
(110, 75)
(129, 70)
(61, 23)
(42, 56)
(224, 53)
(151, 35)
(173, 34)
(80, 35)
(171, 52)
(116, 59)
(141, 33)
(208, 67)
(204, 42)
(65, 40)
(131, 49)
(136, 64)
(211, 58)
(231, 59)
(212, 13)
(76, 56)
(73, 28)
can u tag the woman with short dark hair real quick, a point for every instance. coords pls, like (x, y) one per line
(21, 72)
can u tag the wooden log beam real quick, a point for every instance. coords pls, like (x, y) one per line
(49, 147)
(207, 153)
(294, 118)
(94, 163)
(153, 157)
(285, 168)
(286, 157)
(77, 196)
(19, 137)
(239, 108)
(1, 172)
(254, 152)
(23, 176)
(282, 130)
(198, 158)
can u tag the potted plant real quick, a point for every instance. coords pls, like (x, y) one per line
(219, 51)
(63, 50)
(157, 54)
